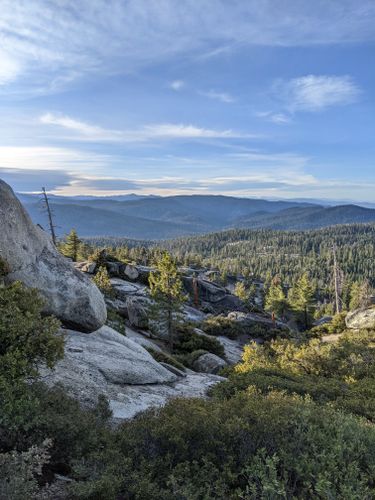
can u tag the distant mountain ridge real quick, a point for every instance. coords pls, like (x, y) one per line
(159, 218)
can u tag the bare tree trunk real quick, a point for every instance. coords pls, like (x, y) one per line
(49, 213)
(336, 280)
(170, 330)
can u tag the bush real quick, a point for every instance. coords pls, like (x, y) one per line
(251, 446)
(188, 359)
(103, 282)
(221, 325)
(187, 341)
(19, 472)
(115, 321)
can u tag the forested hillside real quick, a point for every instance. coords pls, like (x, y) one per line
(285, 253)
(159, 218)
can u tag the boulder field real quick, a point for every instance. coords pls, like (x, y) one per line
(32, 259)
(98, 360)
(110, 364)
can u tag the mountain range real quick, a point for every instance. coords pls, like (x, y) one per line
(157, 218)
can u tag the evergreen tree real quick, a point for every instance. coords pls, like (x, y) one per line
(360, 295)
(102, 281)
(302, 299)
(240, 291)
(71, 246)
(167, 293)
(275, 301)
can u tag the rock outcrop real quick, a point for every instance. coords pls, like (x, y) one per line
(361, 319)
(105, 358)
(211, 295)
(247, 320)
(209, 363)
(110, 364)
(137, 308)
(32, 258)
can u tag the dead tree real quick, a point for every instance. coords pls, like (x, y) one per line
(338, 281)
(49, 214)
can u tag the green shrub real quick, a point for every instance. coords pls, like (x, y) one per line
(166, 358)
(189, 358)
(221, 325)
(103, 282)
(250, 446)
(19, 472)
(187, 341)
(115, 321)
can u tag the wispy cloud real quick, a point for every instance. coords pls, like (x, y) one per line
(44, 158)
(270, 116)
(47, 44)
(317, 92)
(177, 85)
(87, 132)
(219, 96)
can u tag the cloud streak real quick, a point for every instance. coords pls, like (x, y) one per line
(218, 96)
(166, 131)
(47, 45)
(317, 92)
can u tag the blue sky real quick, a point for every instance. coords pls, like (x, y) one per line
(264, 98)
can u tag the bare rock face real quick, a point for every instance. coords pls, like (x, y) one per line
(209, 363)
(361, 319)
(138, 311)
(106, 358)
(32, 258)
(107, 363)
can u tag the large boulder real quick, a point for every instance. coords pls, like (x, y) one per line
(137, 308)
(107, 363)
(93, 364)
(33, 259)
(248, 320)
(209, 363)
(123, 289)
(131, 272)
(211, 295)
(361, 319)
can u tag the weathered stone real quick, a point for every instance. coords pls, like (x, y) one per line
(247, 320)
(86, 266)
(131, 272)
(209, 363)
(127, 375)
(115, 268)
(138, 311)
(117, 305)
(361, 319)
(211, 295)
(124, 289)
(173, 369)
(106, 357)
(33, 259)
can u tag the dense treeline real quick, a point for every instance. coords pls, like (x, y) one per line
(264, 254)
(287, 254)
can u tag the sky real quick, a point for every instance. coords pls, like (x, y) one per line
(251, 98)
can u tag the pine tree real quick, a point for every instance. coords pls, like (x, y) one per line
(276, 301)
(240, 291)
(71, 246)
(360, 295)
(166, 291)
(302, 299)
(102, 281)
